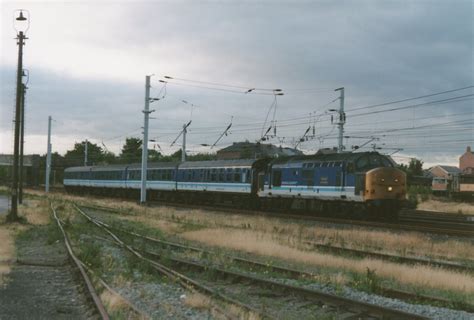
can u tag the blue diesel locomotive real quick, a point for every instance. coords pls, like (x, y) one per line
(349, 183)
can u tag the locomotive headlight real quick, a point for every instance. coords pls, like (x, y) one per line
(389, 188)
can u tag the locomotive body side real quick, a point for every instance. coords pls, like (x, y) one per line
(311, 179)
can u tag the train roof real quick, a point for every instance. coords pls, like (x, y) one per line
(344, 156)
(155, 165)
(114, 167)
(217, 164)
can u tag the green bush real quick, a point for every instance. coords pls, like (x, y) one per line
(416, 193)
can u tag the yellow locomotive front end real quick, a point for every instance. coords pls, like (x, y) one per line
(385, 190)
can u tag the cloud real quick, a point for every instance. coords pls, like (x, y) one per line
(88, 63)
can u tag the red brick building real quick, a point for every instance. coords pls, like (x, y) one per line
(466, 161)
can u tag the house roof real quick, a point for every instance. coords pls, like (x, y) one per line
(450, 169)
(261, 148)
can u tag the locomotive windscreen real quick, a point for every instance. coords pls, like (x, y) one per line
(370, 161)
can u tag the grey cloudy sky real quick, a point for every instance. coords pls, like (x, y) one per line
(88, 61)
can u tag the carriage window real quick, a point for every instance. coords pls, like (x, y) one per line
(236, 177)
(229, 175)
(246, 178)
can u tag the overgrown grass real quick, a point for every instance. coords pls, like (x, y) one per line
(264, 244)
(281, 239)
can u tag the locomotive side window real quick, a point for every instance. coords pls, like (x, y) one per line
(350, 167)
(276, 178)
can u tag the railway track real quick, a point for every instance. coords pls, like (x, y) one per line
(388, 292)
(358, 253)
(409, 220)
(186, 282)
(102, 312)
(294, 295)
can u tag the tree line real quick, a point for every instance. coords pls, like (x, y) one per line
(131, 152)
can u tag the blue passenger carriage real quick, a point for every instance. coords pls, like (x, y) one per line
(228, 176)
(160, 176)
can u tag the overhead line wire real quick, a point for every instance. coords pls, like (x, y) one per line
(409, 99)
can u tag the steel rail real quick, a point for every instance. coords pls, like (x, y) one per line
(314, 294)
(93, 294)
(185, 281)
(460, 229)
(338, 250)
(465, 229)
(362, 307)
(388, 292)
(114, 292)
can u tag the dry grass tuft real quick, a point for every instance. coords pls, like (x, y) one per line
(113, 301)
(36, 212)
(264, 244)
(7, 248)
(402, 243)
(172, 221)
(198, 301)
(449, 207)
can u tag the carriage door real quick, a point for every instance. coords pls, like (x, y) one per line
(339, 183)
(261, 180)
(359, 184)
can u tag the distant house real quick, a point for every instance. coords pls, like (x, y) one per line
(442, 178)
(30, 166)
(466, 161)
(250, 150)
(446, 172)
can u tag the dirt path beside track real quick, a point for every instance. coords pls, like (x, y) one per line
(36, 279)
